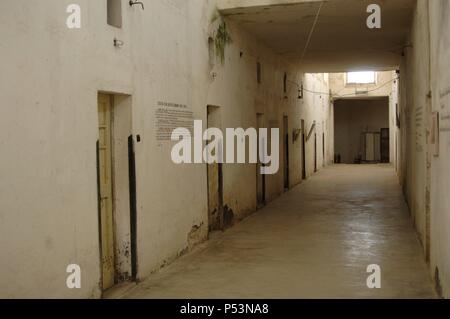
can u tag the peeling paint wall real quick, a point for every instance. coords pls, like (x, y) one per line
(424, 89)
(417, 88)
(440, 173)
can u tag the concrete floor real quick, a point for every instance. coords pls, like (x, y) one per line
(316, 241)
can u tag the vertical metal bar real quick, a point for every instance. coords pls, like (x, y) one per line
(133, 206)
(221, 208)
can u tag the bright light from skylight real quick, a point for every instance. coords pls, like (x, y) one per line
(366, 77)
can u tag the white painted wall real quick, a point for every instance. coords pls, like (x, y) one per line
(48, 129)
(341, 89)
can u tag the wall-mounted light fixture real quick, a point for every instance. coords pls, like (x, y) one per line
(135, 2)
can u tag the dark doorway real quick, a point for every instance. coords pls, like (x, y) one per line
(315, 152)
(303, 150)
(286, 152)
(323, 149)
(385, 145)
(357, 130)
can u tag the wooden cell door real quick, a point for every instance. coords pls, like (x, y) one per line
(106, 190)
(215, 180)
(260, 178)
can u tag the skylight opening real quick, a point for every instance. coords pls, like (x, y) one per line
(366, 77)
